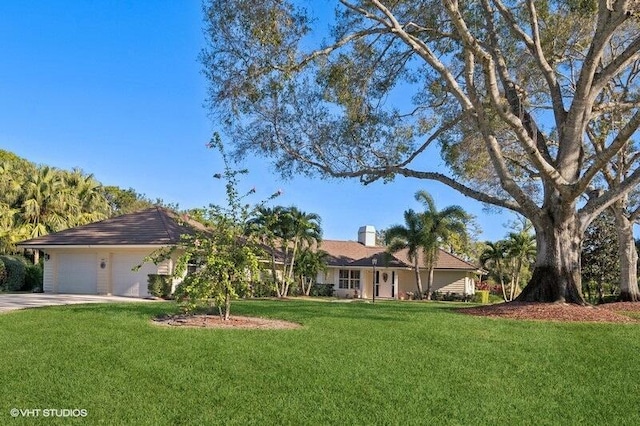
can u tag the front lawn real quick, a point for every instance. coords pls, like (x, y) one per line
(351, 363)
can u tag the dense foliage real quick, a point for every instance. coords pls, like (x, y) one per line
(600, 260)
(286, 232)
(36, 200)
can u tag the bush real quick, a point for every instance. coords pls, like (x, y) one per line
(263, 289)
(159, 285)
(481, 296)
(3, 274)
(321, 290)
(33, 278)
(16, 271)
(450, 297)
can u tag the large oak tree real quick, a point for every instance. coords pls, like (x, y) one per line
(519, 82)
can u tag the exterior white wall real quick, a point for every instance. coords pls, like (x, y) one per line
(49, 272)
(104, 273)
(104, 262)
(460, 282)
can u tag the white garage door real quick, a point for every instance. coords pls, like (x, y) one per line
(77, 273)
(127, 282)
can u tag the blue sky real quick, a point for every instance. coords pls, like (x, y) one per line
(114, 88)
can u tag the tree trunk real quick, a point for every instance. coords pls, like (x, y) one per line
(227, 306)
(430, 281)
(629, 291)
(556, 274)
(416, 268)
(307, 290)
(274, 275)
(504, 292)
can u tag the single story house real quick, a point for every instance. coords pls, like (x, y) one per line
(101, 257)
(351, 270)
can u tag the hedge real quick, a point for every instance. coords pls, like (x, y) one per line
(15, 267)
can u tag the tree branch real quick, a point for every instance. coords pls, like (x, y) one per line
(604, 156)
(597, 205)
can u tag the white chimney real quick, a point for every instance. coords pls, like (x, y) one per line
(367, 235)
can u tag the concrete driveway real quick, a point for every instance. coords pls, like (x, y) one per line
(10, 302)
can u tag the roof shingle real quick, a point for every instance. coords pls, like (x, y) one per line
(353, 253)
(152, 226)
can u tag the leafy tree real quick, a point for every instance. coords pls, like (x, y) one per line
(508, 88)
(227, 259)
(626, 210)
(413, 237)
(439, 227)
(600, 260)
(124, 201)
(87, 201)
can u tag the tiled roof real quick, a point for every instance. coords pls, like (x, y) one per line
(152, 226)
(353, 253)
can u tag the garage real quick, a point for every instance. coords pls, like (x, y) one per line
(127, 282)
(98, 258)
(77, 273)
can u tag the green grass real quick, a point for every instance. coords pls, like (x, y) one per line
(351, 363)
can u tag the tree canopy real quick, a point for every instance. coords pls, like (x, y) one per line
(509, 91)
(36, 200)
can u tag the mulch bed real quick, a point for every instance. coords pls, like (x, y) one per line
(214, 321)
(560, 312)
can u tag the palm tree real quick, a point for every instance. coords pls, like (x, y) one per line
(438, 226)
(521, 250)
(289, 228)
(298, 229)
(263, 225)
(309, 264)
(43, 202)
(494, 257)
(412, 237)
(87, 201)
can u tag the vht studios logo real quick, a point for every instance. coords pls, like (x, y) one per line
(48, 412)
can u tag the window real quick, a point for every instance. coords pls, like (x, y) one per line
(349, 279)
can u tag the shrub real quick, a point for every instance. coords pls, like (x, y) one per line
(33, 278)
(322, 290)
(481, 296)
(450, 297)
(159, 285)
(16, 270)
(263, 289)
(3, 274)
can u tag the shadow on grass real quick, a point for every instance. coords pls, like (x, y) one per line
(130, 308)
(300, 311)
(275, 309)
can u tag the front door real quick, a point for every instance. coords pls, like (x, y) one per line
(385, 284)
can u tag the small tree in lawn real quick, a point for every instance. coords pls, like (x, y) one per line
(226, 259)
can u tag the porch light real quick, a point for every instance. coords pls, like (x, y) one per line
(374, 262)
